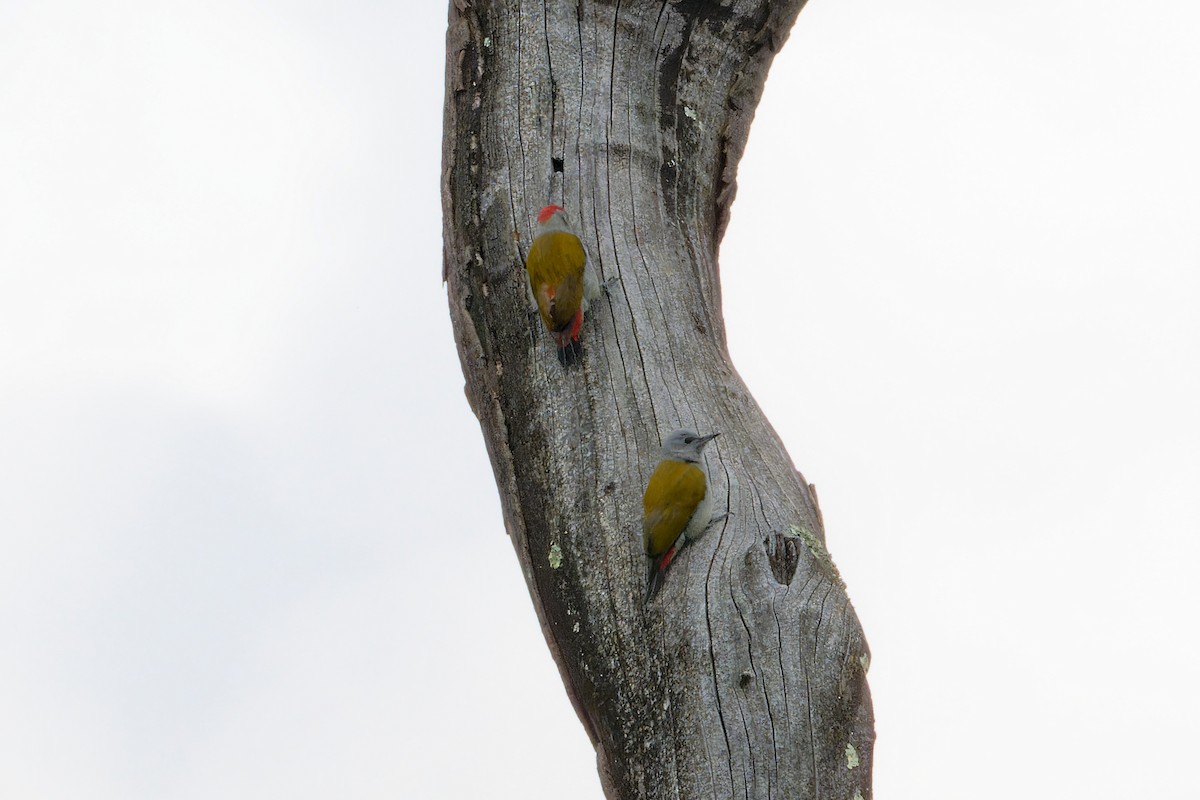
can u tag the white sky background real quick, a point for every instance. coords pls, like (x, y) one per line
(251, 543)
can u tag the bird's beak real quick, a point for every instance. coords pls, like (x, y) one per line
(706, 439)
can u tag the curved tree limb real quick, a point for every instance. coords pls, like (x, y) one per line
(746, 676)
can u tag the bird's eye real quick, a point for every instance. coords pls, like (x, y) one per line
(689, 439)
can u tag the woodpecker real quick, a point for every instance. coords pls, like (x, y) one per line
(560, 279)
(677, 507)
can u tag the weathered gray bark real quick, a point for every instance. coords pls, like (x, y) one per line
(746, 676)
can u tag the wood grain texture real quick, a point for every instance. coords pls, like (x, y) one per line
(746, 676)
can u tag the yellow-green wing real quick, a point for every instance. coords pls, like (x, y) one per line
(558, 284)
(674, 491)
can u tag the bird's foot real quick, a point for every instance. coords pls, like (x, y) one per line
(718, 518)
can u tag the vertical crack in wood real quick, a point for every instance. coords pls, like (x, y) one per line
(716, 684)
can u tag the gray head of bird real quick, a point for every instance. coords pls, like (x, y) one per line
(552, 218)
(685, 445)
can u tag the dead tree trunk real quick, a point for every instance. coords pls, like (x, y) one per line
(745, 678)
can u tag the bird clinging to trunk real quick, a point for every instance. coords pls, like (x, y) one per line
(677, 506)
(561, 280)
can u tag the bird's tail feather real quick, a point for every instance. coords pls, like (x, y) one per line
(658, 570)
(567, 339)
(570, 353)
(653, 581)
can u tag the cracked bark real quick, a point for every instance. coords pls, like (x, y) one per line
(746, 677)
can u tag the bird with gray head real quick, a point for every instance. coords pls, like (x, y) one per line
(677, 507)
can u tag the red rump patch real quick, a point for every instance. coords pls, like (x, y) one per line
(666, 559)
(547, 212)
(576, 326)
